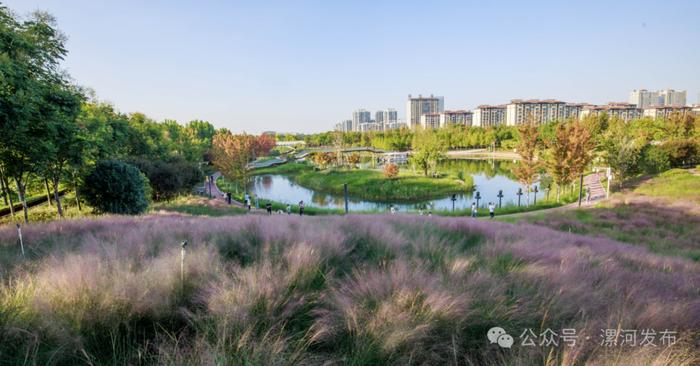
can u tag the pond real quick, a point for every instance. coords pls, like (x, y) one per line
(489, 177)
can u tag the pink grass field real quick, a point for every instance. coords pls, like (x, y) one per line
(360, 290)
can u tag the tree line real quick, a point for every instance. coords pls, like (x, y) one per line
(56, 132)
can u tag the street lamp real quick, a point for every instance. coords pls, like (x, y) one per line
(520, 193)
(454, 198)
(535, 190)
(500, 197)
(478, 197)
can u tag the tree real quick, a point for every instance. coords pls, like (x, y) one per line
(29, 68)
(263, 144)
(116, 187)
(558, 162)
(580, 154)
(64, 142)
(428, 151)
(621, 149)
(231, 154)
(528, 145)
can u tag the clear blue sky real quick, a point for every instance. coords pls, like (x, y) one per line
(305, 65)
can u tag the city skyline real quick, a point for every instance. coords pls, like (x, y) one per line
(292, 67)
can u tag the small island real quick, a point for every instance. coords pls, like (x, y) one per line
(372, 184)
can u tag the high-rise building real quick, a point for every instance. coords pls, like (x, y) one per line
(416, 107)
(666, 111)
(573, 110)
(489, 115)
(670, 97)
(541, 111)
(360, 116)
(643, 98)
(386, 117)
(625, 111)
(344, 126)
(460, 117)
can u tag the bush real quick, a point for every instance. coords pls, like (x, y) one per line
(391, 171)
(116, 187)
(654, 160)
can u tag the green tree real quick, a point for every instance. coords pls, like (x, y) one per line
(621, 149)
(428, 150)
(528, 146)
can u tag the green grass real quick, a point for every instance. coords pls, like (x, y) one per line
(371, 184)
(674, 183)
(44, 212)
(646, 216)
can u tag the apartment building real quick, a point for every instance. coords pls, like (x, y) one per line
(666, 111)
(430, 120)
(624, 111)
(541, 111)
(460, 117)
(489, 115)
(416, 107)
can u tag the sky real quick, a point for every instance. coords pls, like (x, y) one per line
(302, 66)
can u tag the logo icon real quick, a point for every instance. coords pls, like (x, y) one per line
(499, 335)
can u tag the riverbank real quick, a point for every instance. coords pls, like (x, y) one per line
(371, 184)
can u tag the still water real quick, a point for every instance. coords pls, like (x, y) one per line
(489, 177)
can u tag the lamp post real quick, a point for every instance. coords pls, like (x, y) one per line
(454, 198)
(520, 193)
(500, 197)
(549, 187)
(535, 190)
(478, 197)
(345, 192)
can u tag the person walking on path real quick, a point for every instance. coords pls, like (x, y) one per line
(301, 208)
(588, 196)
(392, 209)
(268, 206)
(474, 209)
(289, 209)
(492, 209)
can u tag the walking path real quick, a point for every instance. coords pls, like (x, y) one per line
(219, 194)
(591, 183)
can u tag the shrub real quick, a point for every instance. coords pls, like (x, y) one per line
(116, 187)
(654, 159)
(391, 171)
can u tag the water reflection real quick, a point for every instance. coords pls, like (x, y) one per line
(490, 176)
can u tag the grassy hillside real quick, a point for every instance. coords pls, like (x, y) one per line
(355, 290)
(661, 214)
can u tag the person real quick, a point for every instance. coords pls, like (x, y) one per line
(289, 209)
(228, 198)
(420, 212)
(392, 209)
(492, 209)
(588, 196)
(430, 213)
(301, 208)
(473, 209)
(268, 206)
(246, 199)
(247, 203)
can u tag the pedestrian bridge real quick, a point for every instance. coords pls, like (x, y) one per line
(306, 152)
